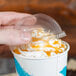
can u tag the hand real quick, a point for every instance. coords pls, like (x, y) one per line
(11, 36)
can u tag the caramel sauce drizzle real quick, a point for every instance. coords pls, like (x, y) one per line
(35, 46)
(48, 53)
(35, 39)
(56, 42)
(24, 50)
(16, 51)
(62, 45)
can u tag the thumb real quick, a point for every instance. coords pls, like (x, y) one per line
(19, 37)
(25, 37)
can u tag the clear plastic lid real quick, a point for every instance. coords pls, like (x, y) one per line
(43, 20)
(48, 23)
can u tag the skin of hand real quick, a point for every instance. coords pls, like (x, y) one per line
(9, 34)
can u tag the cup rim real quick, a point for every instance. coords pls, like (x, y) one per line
(66, 51)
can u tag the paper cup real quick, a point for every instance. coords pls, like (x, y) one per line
(52, 66)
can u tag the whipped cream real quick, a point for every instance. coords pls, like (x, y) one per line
(43, 44)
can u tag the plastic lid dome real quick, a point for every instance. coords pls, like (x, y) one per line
(48, 23)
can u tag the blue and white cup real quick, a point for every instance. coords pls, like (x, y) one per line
(52, 66)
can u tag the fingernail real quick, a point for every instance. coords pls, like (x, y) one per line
(26, 36)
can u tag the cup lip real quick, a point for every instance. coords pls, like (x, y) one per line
(27, 58)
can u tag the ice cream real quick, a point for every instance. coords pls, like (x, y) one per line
(43, 44)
